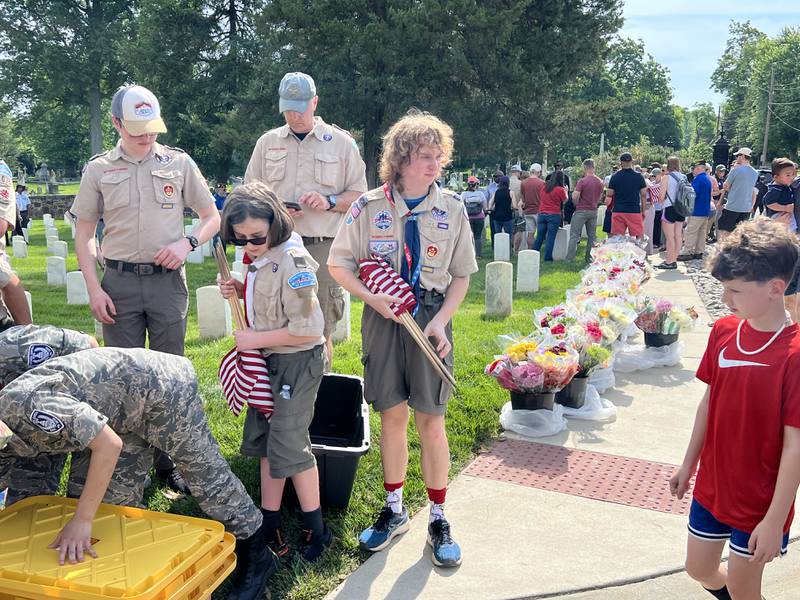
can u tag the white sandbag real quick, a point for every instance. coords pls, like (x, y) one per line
(533, 423)
(603, 379)
(594, 408)
(638, 357)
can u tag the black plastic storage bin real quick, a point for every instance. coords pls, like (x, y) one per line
(339, 438)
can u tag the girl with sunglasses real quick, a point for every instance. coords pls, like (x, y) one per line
(286, 324)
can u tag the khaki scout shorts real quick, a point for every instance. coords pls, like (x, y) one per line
(395, 369)
(284, 440)
(330, 293)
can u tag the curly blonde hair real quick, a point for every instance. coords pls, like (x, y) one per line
(408, 135)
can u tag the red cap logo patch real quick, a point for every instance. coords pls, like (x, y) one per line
(168, 190)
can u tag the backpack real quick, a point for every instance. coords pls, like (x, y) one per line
(683, 202)
(474, 207)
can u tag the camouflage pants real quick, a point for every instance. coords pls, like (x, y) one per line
(25, 477)
(176, 424)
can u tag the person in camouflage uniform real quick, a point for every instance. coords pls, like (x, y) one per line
(120, 403)
(21, 349)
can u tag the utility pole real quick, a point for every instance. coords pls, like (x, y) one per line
(769, 111)
(602, 143)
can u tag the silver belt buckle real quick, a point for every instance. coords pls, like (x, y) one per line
(144, 269)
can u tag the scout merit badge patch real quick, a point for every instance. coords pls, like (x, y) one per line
(439, 214)
(302, 279)
(39, 353)
(383, 220)
(169, 190)
(431, 251)
(383, 247)
(46, 421)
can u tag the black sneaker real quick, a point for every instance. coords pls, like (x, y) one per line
(446, 552)
(387, 526)
(697, 256)
(313, 546)
(686, 257)
(667, 266)
(175, 481)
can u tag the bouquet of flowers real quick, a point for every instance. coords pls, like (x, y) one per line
(590, 343)
(555, 319)
(614, 316)
(534, 364)
(662, 316)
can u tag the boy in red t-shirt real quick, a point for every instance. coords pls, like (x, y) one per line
(747, 430)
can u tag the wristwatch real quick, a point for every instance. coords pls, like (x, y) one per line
(331, 202)
(192, 241)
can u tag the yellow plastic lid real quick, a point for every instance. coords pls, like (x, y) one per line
(140, 552)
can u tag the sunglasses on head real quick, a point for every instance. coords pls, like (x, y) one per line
(259, 241)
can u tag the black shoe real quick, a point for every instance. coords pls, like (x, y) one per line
(314, 545)
(175, 481)
(666, 265)
(277, 543)
(686, 257)
(697, 256)
(255, 564)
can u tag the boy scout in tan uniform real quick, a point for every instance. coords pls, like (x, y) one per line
(140, 189)
(318, 166)
(425, 234)
(14, 306)
(118, 403)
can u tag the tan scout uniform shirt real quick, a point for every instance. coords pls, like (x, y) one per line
(285, 295)
(374, 226)
(140, 202)
(327, 161)
(8, 202)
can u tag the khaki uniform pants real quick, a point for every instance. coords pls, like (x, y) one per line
(694, 237)
(329, 292)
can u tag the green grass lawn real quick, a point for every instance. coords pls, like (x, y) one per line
(472, 419)
(65, 189)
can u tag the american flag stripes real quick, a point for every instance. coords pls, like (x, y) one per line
(245, 380)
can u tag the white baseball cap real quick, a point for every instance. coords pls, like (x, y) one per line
(536, 168)
(745, 151)
(138, 109)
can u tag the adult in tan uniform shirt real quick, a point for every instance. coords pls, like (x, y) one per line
(318, 166)
(14, 306)
(140, 189)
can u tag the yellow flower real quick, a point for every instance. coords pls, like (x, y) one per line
(604, 312)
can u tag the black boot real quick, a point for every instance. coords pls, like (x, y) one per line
(255, 564)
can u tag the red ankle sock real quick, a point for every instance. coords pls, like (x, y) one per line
(437, 496)
(392, 487)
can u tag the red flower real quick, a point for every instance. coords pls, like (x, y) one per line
(558, 329)
(544, 322)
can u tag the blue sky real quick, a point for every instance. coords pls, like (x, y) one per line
(689, 36)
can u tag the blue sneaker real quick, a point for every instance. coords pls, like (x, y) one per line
(387, 526)
(446, 552)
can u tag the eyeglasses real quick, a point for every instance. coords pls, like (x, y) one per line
(259, 241)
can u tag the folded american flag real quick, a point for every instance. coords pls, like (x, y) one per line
(245, 379)
(380, 278)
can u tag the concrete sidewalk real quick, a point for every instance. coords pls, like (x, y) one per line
(525, 542)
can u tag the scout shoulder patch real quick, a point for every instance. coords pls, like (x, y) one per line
(300, 262)
(46, 421)
(303, 279)
(39, 353)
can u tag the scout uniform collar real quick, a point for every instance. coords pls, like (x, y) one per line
(118, 153)
(320, 130)
(434, 200)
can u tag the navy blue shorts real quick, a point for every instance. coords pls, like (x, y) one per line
(703, 525)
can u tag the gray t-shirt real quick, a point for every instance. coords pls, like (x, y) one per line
(742, 180)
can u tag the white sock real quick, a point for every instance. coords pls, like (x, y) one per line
(394, 500)
(437, 512)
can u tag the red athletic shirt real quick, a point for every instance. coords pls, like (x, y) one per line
(752, 398)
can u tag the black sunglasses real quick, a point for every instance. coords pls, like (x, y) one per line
(259, 241)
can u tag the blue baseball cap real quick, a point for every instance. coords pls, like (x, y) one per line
(296, 91)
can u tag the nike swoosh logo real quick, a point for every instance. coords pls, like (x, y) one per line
(726, 363)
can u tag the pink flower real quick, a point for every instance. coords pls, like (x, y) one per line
(558, 329)
(663, 306)
(557, 312)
